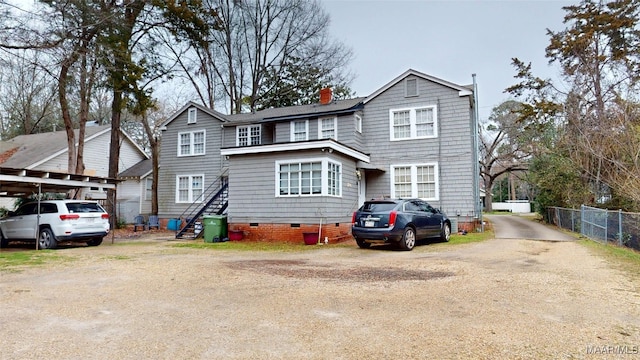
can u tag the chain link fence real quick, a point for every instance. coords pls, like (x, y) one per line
(601, 225)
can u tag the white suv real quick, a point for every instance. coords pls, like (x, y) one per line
(60, 220)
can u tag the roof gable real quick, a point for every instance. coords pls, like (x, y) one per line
(462, 90)
(216, 115)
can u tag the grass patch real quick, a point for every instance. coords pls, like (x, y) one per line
(15, 260)
(621, 258)
(471, 237)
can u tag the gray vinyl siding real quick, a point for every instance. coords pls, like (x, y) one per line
(95, 153)
(252, 192)
(211, 164)
(451, 150)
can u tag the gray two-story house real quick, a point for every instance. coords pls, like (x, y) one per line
(280, 172)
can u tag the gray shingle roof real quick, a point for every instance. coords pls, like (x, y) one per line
(290, 112)
(138, 170)
(31, 149)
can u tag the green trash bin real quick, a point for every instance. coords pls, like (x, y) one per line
(215, 228)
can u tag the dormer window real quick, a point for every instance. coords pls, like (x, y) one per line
(248, 135)
(328, 128)
(300, 130)
(192, 116)
(411, 87)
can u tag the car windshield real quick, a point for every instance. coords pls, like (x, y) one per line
(84, 207)
(378, 206)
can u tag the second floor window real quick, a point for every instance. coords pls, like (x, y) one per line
(328, 128)
(413, 123)
(191, 143)
(248, 135)
(300, 130)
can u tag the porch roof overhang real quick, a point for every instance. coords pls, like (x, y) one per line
(367, 166)
(23, 182)
(324, 145)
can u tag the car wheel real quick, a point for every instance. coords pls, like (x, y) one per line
(363, 244)
(94, 242)
(3, 242)
(46, 239)
(445, 233)
(408, 240)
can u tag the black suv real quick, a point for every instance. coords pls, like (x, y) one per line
(399, 221)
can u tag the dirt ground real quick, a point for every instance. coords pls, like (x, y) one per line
(145, 298)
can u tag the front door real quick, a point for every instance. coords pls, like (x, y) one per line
(362, 188)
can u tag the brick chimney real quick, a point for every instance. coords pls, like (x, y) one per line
(326, 95)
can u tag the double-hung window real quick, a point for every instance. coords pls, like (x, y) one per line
(189, 188)
(300, 130)
(415, 180)
(248, 135)
(328, 128)
(308, 178)
(413, 123)
(191, 143)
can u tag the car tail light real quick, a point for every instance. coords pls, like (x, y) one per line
(64, 217)
(105, 216)
(353, 218)
(392, 218)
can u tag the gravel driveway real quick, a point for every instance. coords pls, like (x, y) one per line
(499, 299)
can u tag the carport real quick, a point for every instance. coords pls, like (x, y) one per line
(22, 183)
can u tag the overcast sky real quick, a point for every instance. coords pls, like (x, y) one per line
(450, 40)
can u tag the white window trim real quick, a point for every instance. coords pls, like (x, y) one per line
(293, 128)
(335, 127)
(358, 120)
(414, 176)
(191, 200)
(248, 127)
(192, 116)
(191, 147)
(406, 88)
(412, 123)
(324, 180)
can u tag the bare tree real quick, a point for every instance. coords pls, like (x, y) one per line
(65, 30)
(29, 99)
(505, 146)
(252, 40)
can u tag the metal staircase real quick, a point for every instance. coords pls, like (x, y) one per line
(214, 200)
